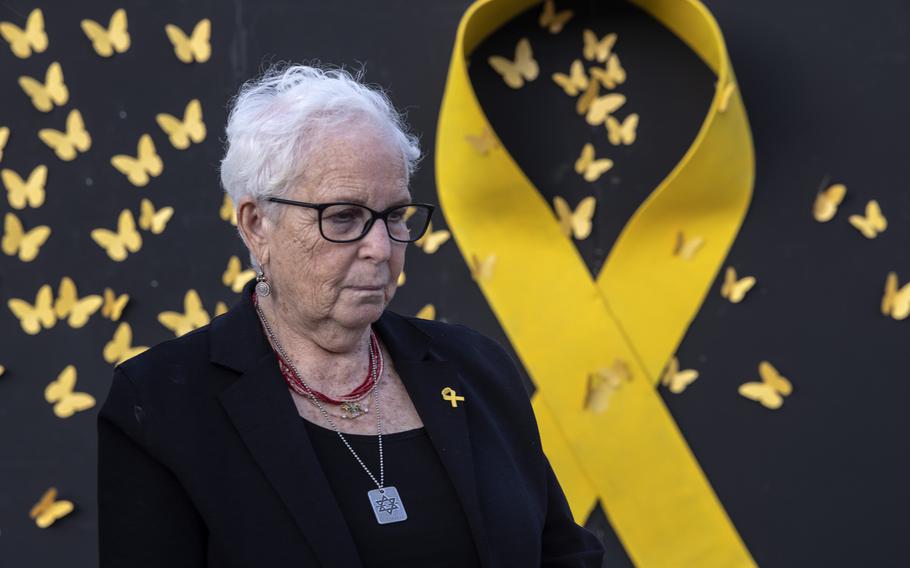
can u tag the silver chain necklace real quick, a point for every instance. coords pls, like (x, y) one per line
(385, 501)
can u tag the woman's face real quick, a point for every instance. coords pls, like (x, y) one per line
(321, 281)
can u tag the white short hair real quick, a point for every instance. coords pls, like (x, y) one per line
(276, 120)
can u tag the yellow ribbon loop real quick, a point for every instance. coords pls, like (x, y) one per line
(448, 394)
(631, 456)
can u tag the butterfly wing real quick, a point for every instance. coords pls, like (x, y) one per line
(119, 36)
(62, 386)
(602, 106)
(199, 41)
(119, 343)
(581, 218)
(98, 34)
(760, 392)
(126, 230)
(76, 132)
(37, 92)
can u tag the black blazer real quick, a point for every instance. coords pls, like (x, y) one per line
(201, 460)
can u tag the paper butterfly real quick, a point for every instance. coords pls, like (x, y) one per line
(32, 38)
(21, 192)
(182, 132)
(16, 240)
(677, 380)
(51, 92)
(482, 268)
(66, 144)
(127, 239)
(735, 289)
(484, 142)
(151, 220)
(610, 76)
(48, 510)
(602, 384)
(4, 138)
(69, 305)
(551, 20)
(428, 312)
(194, 315)
(575, 82)
(34, 317)
(771, 390)
(60, 393)
(112, 39)
(622, 132)
(686, 248)
(120, 347)
(590, 168)
(872, 223)
(234, 277)
(514, 73)
(896, 301)
(827, 202)
(577, 223)
(603, 106)
(113, 305)
(226, 212)
(145, 165)
(432, 240)
(196, 47)
(595, 48)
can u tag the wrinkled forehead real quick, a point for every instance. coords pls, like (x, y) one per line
(358, 163)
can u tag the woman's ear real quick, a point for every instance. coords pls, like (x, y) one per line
(254, 228)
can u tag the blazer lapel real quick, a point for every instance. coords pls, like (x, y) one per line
(425, 374)
(264, 414)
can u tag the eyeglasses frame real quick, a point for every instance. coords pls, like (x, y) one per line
(320, 207)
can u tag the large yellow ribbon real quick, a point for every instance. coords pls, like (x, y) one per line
(564, 325)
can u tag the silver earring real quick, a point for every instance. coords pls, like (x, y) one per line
(262, 284)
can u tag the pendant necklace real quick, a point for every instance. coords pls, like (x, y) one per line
(385, 501)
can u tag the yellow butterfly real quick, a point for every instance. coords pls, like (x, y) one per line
(60, 393)
(32, 38)
(227, 212)
(872, 223)
(896, 302)
(120, 347)
(48, 510)
(686, 248)
(16, 240)
(196, 47)
(482, 268)
(724, 98)
(577, 223)
(51, 92)
(622, 132)
(827, 202)
(182, 132)
(590, 168)
(428, 312)
(127, 239)
(611, 75)
(553, 21)
(2, 370)
(33, 318)
(220, 308)
(113, 38)
(113, 305)
(145, 165)
(772, 388)
(603, 106)
(151, 220)
(65, 145)
(677, 380)
(575, 82)
(401, 279)
(514, 73)
(234, 277)
(735, 289)
(484, 142)
(602, 384)
(4, 138)
(194, 315)
(21, 192)
(69, 305)
(598, 49)
(432, 240)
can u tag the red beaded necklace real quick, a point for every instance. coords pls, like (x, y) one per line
(359, 392)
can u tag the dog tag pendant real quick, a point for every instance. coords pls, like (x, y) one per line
(387, 505)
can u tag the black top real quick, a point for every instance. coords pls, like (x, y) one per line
(436, 531)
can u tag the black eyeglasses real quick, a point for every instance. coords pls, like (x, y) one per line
(345, 222)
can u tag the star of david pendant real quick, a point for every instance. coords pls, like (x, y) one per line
(353, 409)
(387, 505)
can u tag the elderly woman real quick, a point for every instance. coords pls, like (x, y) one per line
(310, 426)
